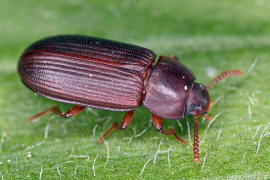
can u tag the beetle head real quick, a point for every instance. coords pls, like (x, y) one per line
(198, 100)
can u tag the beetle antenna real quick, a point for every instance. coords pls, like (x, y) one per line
(224, 75)
(196, 155)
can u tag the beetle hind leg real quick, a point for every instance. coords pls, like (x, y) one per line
(125, 122)
(157, 121)
(72, 112)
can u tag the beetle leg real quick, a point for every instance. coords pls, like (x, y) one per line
(207, 117)
(72, 112)
(114, 126)
(125, 122)
(127, 119)
(157, 121)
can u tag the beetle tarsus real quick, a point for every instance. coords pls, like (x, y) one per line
(72, 112)
(157, 121)
(173, 133)
(114, 126)
(125, 122)
(209, 118)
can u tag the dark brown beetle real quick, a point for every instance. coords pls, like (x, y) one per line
(98, 73)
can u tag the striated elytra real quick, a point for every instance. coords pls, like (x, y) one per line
(98, 73)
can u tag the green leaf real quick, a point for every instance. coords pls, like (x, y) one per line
(207, 36)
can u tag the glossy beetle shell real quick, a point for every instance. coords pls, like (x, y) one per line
(87, 71)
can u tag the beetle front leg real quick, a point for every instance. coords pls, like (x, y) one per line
(157, 121)
(72, 112)
(125, 122)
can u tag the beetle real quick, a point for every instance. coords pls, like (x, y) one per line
(98, 73)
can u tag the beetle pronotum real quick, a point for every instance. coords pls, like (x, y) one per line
(98, 73)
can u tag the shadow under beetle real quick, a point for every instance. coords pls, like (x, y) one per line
(98, 73)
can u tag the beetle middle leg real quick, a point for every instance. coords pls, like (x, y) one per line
(72, 112)
(125, 122)
(157, 121)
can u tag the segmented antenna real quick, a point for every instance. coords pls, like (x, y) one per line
(196, 155)
(224, 75)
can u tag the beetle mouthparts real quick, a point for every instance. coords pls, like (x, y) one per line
(224, 75)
